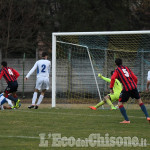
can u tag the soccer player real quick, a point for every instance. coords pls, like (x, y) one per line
(4, 100)
(148, 81)
(10, 75)
(112, 97)
(42, 82)
(129, 81)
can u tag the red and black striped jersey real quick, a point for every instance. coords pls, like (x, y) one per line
(9, 74)
(125, 76)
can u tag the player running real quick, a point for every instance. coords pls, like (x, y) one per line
(42, 82)
(129, 81)
(10, 75)
(112, 97)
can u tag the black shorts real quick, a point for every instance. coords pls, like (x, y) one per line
(125, 95)
(12, 87)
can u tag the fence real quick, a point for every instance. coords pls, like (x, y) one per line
(23, 65)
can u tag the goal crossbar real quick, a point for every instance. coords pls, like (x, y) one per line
(54, 43)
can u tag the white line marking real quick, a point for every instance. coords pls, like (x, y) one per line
(22, 137)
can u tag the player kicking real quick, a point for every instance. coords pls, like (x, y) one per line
(112, 97)
(129, 81)
(42, 81)
(10, 75)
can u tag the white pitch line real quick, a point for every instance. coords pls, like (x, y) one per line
(22, 137)
(68, 114)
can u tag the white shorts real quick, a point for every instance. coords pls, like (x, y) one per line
(42, 83)
(148, 76)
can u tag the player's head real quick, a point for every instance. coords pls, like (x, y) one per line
(44, 55)
(118, 61)
(112, 73)
(4, 64)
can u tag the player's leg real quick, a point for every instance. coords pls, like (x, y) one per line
(136, 95)
(35, 94)
(3, 100)
(9, 102)
(143, 108)
(9, 96)
(123, 112)
(98, 105)
(124, 96)
(17, 103)
(109, 99)
(40, 98)
(12, 88)
(44, 86)
(106, 99)
(34, 98)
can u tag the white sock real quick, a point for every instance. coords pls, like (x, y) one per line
(1, 107)
(40, 99)
(9, 102)
(34, 98)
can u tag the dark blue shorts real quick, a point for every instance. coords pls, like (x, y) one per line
(12, 87)
(125, 95)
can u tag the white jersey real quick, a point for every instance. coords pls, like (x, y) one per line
(148, 76)
(4, 100)
(43, 68)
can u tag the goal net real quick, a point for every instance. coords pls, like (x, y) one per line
(77, 58)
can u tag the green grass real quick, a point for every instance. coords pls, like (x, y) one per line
(20, 129)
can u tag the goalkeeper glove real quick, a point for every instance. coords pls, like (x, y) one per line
(99, 75)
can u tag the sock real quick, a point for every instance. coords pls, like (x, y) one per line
(100, 104)
(143, 108)
(9, 102)
(123, 112)
(34, 98)
(109, 103)
(12, 98)
(40, 99)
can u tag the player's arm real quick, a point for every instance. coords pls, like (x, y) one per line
(148, 81)
(147, 85)
(16, 73)
(104, 78)
(31, 71)
(134, 77)
(1, 74)
(112, 82)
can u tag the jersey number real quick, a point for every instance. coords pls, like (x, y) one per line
(43, 68)
(125, 72)
(10, 72)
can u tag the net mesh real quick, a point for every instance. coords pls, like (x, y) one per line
(75, 77)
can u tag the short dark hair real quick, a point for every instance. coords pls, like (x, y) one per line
(4, 63)
(44, 54)
(112, 73)
(118, 61)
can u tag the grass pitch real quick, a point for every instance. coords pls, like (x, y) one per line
(20, 129)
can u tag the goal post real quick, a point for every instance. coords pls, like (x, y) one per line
(77, 58)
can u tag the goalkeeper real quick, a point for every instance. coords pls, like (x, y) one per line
(112, 97)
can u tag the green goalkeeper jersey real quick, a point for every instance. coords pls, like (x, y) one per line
(117, 85)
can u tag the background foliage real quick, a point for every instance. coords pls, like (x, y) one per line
(27, 25)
